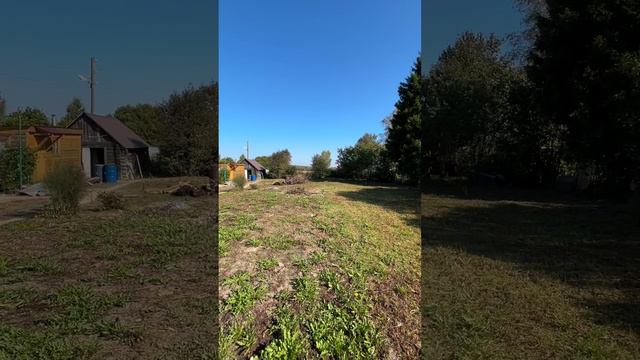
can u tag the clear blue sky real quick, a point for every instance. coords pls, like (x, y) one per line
(145, 50)
(311, 75)
(444, 21)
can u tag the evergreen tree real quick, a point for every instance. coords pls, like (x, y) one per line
(404, 128)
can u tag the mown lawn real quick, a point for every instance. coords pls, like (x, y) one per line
(529, 275)
(111, 284)
(329, 272)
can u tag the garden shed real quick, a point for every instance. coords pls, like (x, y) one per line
(254, 168)
(51, 145)
(106, 140)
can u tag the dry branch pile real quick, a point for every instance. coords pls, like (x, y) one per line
(187, 189)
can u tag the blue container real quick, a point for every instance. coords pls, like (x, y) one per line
(111, 173)
(253, 178)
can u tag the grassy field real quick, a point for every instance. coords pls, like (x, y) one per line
(120, 284)
(330, 271)
(528, 275)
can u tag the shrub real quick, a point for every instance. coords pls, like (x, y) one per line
(66, 185)
(239, 182)
(223, 175)
(111, 200)
(9, 169)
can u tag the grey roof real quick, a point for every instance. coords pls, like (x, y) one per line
(118, 131)
(254, 164)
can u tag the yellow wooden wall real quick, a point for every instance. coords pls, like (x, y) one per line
(69, 152)
(237, 171)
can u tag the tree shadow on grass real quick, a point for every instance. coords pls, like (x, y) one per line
(585, 245)
(402, 199)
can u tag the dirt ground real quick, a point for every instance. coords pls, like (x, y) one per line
(136, 283)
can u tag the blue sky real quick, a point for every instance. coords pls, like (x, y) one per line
(311, 75)
(145, 50)
(444, 21)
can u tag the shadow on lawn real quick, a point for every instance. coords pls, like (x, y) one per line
(401, 199)
(587, 246)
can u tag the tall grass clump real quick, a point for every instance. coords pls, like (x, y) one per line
(239, 182)
(66, 185)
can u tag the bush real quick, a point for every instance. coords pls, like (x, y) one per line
(9, 172)
(239, 182)
(111, 200)
(66, 185)
(223, 174)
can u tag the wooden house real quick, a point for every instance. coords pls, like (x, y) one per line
(51, 145)
(254, 168)
(106, 140)
(234, 170)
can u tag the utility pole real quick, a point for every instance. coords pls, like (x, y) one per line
(92, 84)
(247, 149)
(53, 120)
(20, 149)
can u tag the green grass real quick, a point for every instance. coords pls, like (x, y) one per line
(529, 275)
(341, 254)
(18, 344)
(80, 307)
(267, 264)
(110, 284)
(244, 293)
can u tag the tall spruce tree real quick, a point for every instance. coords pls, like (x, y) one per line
(404, 130)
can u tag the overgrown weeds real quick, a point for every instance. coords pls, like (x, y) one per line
(111, 200)
(66, 184)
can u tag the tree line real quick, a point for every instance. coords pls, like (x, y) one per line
(184, 127)
(565, 102)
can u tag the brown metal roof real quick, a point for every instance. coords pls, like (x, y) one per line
(118, 131)
(256, 165)
(58, 131)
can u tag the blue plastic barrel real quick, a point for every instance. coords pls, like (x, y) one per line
(253, 178)
(111, 173)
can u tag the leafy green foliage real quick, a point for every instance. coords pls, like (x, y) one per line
(223, 175)
(585, 65)
(74, 109)
(10, 168)
(29, 116)
(144, 120)
(66, 185)
(226, 160)
(280, 162)
(320, 164)
(364, 160)
(188, 131)
(244, 293)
